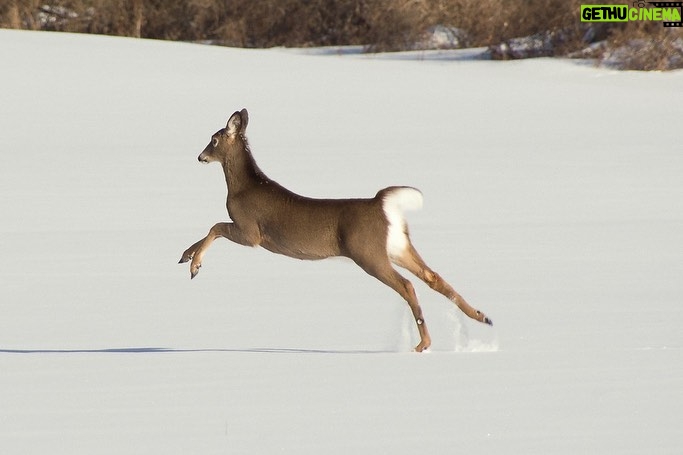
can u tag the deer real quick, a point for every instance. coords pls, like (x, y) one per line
(371, 232)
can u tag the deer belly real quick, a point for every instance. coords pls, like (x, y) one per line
(299, 248)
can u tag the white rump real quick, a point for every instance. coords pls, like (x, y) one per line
(396, 201)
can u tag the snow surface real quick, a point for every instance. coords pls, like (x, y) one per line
(553, 202)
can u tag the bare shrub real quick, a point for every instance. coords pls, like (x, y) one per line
(20, 14)
(511, 28)
(644, 46)
(267, 23)
(10, 16)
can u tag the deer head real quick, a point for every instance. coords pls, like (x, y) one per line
(224, 140)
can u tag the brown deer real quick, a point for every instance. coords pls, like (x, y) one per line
(371, 232)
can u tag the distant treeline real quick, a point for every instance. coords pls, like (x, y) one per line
(509, 28)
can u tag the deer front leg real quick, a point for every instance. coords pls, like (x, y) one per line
(194, 253)
(230, 231)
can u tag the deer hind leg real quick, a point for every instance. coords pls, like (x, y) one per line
(230, 231)
(411, 260)
(385, 273)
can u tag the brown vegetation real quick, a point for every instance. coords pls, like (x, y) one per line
(554, 25)
(645, 46)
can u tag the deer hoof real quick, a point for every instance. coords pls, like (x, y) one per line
(194, 270)
(481, 317)
(422, 347)
(187, 255)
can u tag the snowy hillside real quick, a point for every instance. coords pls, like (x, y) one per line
(553, 202)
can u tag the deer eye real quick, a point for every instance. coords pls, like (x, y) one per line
(214, 141)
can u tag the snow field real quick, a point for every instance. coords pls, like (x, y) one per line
(552, 202)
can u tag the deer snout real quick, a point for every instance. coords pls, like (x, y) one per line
(205, 156)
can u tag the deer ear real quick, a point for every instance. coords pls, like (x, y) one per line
(234, 123)
(245, 119)
(238, 122)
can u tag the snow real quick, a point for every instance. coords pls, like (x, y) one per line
(553, 202)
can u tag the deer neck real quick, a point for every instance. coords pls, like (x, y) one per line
(241, 170)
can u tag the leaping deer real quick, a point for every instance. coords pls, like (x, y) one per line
(371, 232)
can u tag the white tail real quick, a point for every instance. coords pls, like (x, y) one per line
(371, 232)
(396, 200)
